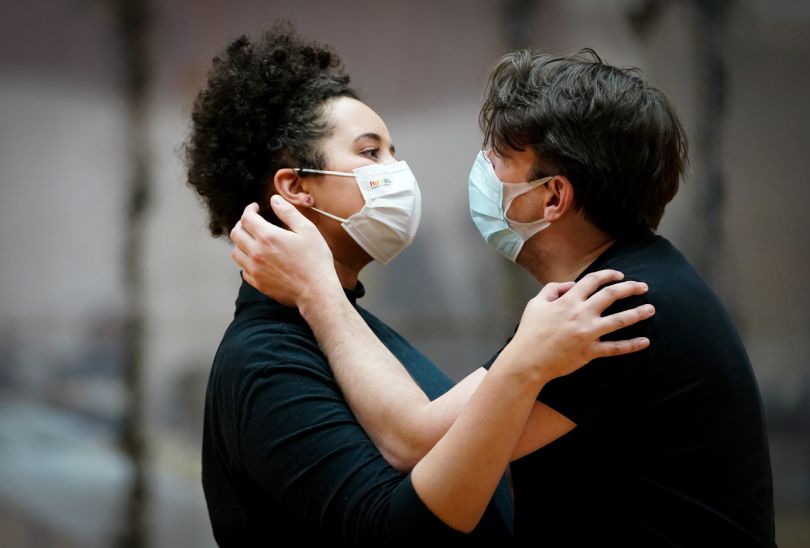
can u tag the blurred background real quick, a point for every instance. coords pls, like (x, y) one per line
(113, 297)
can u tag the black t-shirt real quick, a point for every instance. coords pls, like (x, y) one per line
(670, 447)
(284, 457)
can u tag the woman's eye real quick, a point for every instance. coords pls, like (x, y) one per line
(371, 152)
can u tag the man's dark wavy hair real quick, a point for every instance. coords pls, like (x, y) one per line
(261, 110)
(616, 138)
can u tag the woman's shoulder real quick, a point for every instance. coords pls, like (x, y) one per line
(262, 343)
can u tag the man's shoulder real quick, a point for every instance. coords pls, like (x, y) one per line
(647, 257)
(689, 313)
(660, 264)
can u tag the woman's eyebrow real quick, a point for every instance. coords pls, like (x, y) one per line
(392, 149)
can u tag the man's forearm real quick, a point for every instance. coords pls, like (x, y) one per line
(390, 406)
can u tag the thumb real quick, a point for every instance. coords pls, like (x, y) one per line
(554, 290)
(289, 215)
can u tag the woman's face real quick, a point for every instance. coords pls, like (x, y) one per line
(358, 138)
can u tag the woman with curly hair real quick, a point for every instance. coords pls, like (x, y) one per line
(283, 454)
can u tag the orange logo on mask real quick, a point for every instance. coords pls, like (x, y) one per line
(379, 182)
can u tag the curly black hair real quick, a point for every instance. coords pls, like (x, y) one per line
(260, 110)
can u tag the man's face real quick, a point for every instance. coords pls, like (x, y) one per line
(517, 166)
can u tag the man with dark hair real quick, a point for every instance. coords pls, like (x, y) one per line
(663, 447)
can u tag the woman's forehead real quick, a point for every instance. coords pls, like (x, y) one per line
(351, 118)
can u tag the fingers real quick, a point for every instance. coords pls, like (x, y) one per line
(289, 214)
(617, 348)
(586, 287)
(240, 258)
(249, 279)
(246, 265)
(608, 295)
(251, 210)
(622, 319)
(242, 239)
(554, 290)
(257, 226)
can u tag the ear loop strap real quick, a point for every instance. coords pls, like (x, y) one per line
(531, 186)
(325, 172)
(322, 212)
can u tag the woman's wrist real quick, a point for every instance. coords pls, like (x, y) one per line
(527, 364)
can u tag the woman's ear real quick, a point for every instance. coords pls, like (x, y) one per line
(560, 199)
(288, 185)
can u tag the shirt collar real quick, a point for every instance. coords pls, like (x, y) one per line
(619, 247)
(249, 294)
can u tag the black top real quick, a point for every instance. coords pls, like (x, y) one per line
(283, 456)
(670, 447)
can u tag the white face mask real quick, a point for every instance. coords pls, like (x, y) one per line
(388, 221)
(490, 199)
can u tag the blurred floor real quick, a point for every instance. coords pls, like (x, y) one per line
(62, 485)
(18, 529)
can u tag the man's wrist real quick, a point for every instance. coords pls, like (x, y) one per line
(319, 297)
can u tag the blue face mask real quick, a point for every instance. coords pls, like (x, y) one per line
(490, 199)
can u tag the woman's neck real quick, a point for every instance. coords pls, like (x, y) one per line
(347, 274)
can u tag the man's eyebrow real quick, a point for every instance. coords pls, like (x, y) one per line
(377, 138)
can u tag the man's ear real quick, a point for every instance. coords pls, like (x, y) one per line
(289, 186)
(559, 200)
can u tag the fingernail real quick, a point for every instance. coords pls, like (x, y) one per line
(643, 286)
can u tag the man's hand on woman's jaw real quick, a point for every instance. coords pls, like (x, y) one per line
(293, 266)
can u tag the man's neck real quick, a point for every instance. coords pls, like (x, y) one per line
(563, 255)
